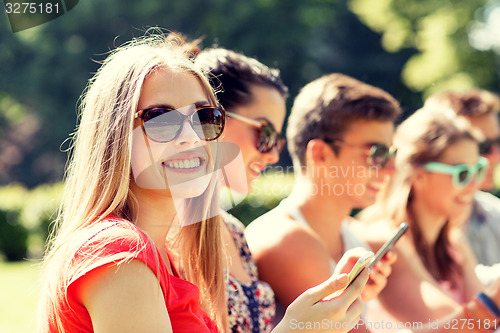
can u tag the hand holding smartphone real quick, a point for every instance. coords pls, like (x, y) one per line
(362, 262)
(389, 244)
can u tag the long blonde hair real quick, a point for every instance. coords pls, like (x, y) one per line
(421, 138)
(97, 181)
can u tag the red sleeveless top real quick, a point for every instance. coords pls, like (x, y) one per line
(181, 296)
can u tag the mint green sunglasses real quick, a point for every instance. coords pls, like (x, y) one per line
(461, 174)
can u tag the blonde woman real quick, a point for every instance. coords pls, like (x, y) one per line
(143, 164)
(438, 171)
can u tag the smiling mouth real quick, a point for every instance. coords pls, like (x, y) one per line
(464, 201)
(255, 168)
(376, 187)
(184, 164)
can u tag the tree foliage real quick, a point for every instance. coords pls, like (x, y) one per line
(44, 70)
(440, 31)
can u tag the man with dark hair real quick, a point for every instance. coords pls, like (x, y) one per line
(480, 108)
(339, 136)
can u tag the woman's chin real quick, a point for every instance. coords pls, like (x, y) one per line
(190, 188)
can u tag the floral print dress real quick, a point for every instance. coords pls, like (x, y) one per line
(251, 306)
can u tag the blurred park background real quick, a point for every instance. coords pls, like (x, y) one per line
(411, 48)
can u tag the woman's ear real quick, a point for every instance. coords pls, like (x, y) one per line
(418, 179)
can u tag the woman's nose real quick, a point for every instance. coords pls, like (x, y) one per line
(188, 135)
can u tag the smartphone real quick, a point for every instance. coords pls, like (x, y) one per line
(389, 244)
(362, 262)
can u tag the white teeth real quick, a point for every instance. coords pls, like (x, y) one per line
(254, 168)
(186, 164)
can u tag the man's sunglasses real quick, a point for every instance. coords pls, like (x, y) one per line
(164, 124)
(267, 137)
(486, 146)
(378, 153)
(461, 174)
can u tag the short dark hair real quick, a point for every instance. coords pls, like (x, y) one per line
(232, 74)
(326, 107)
(469, 103)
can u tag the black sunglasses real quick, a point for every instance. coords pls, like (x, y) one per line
(267, 137)
(378, 153)
(164, 124)
(486, 146)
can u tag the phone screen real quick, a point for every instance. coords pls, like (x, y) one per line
(389, 244)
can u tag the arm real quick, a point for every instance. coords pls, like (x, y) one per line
(472, 317)
(378, 277)
(292, 260)
(124, 298)
(375, 236)
(332, 314)
(291, 264)
(412, 294)
(467, 261)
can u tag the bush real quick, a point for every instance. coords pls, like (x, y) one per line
(267, 192)
(25, 217)
(13, 236)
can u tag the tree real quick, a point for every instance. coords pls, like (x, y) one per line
(43, 70)
(441, 31)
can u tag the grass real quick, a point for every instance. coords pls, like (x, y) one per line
(19, 290)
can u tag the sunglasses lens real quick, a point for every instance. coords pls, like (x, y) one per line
(268, 139)
(482, 169)
(162, 124)
(208, 123)
(379, 156)
(463, 177)
(481, 173)
(485, 147)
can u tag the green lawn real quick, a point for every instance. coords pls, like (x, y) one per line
(19, 289)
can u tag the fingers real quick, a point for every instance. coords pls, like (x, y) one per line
(382, 268)
(375, 285)
(377, 281)
(354, 290)
(354, 311)
(390, 257)
(348, 260)
(330, 286)
(493, 291)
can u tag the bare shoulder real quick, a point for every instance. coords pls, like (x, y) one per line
(112, 293)
(276, 232)
(290, 256)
